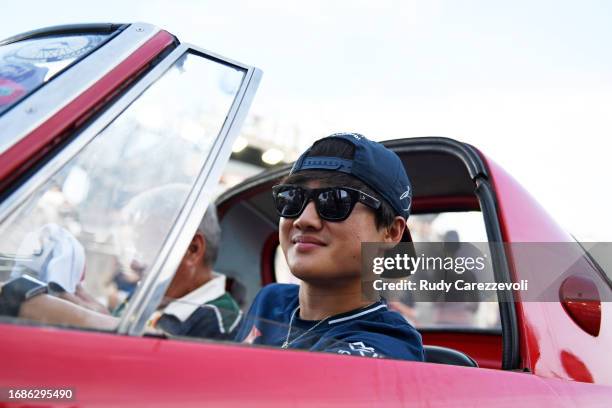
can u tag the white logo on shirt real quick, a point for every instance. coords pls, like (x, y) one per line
(358, 348)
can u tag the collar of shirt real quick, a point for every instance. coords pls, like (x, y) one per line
(342, 317)
(184, 307)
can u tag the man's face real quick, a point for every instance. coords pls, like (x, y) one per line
(181, 277)
(319, 250)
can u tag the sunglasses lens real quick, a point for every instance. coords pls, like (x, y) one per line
(289, 201)
(334, 204)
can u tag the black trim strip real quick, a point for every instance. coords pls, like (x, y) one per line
(468, 155)
(501, 270)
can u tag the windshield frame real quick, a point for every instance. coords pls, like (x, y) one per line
(151, 290)
(42, 103)
(148, 296)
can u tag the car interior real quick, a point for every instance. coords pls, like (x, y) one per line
(443, 179)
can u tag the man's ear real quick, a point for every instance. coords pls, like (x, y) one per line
(396, 230)
(196, 250)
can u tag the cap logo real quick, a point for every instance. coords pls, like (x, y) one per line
(406, 195)
(322, 162)
(326, 163)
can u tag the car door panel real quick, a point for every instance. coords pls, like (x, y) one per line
(107, 369)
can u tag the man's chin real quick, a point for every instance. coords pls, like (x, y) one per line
(310, 259)
(302, 270)
(315, 274)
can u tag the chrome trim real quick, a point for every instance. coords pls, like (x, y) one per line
(152, 289)
(35, 109)
(11, 203)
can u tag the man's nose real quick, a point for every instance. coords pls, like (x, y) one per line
(309, 218)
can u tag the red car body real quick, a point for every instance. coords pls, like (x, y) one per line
(544, 358)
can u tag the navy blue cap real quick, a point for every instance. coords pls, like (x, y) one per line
(378, 167)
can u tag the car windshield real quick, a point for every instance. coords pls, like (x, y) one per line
(26, 65)
(101, 219)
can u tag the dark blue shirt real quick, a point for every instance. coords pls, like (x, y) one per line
(372, 331)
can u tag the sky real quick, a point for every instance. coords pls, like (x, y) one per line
(527, 82)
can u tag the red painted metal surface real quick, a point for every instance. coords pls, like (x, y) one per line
(580, 298)
(110, 370)
(522, 218)
(31, 148)
(552, 345)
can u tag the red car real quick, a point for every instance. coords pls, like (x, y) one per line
(93, 115)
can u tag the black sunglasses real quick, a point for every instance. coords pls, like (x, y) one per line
(332, 203)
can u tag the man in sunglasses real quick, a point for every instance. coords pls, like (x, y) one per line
(341, 192)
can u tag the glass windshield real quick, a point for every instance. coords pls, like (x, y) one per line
(26, 65)
(96, 226)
